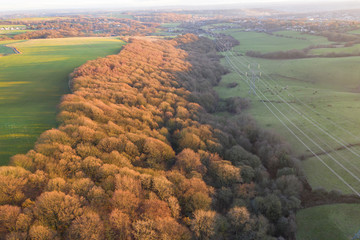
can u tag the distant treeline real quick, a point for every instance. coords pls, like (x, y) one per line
(138, 156)
(81, 27)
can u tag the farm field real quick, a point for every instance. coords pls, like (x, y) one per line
(262, 42)
(318, 101)
(331, 222)
(320, 98)
(32, 83)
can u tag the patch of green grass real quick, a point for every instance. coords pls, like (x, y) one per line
(4, 50)
(330, 222)
(14, 26)
(11, 33)
(265, 43)
(313, 39)
(170, 25)
(32, 83)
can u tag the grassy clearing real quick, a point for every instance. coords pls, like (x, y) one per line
(262, 42)
(32, 83)
(330, 222)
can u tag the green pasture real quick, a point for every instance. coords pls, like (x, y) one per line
(14, 26)
(265, 43)
(32, 83)
(320, 96)
(330, 222)
(316, 102)
(11, 33)
(4, 50)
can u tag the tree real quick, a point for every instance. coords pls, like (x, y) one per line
(57, 210)
(12, 184)
(238, 217)
(8, 218)
(125, 201)
(205, 224)
(157, 153)
(39, 232)
(272, 206)
(144, 230)
(153, 209)
(187, 161)
(88, 226)
(289, 185)
(120, 224)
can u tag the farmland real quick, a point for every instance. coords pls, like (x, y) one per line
(32, 83)
(333, 222)
(315, 105)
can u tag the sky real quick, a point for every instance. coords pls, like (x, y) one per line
(6, 5)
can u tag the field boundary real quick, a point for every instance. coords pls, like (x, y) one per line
(16, 51)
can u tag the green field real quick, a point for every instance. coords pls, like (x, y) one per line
(262, 42)
(32, 83)
(318, 100)
(321, 99)
(10, 33)
(14, 26)
(4, 50)
(330, 222)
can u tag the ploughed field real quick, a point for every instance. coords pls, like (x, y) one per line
(32, 83)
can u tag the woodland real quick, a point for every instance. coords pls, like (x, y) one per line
(141, 152)
(79, 27)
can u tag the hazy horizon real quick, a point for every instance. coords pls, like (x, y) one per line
(23, 5)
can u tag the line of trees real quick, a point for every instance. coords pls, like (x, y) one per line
(138, 156)
(81, 27)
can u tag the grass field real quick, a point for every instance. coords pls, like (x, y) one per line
(14, 26)
(10, 33)
(318, 100)
(4, 50)
(331, 222)
(262, 42)
(32, 83)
